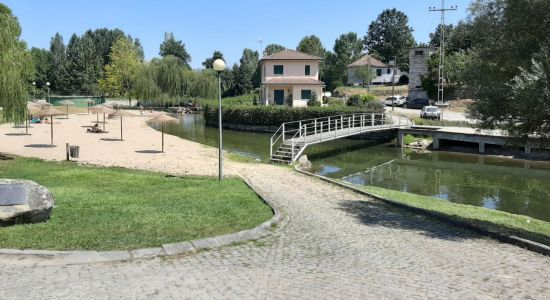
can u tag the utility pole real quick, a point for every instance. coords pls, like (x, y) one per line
(368, 73)
(261, 52)
(393, 83)
(441, 74)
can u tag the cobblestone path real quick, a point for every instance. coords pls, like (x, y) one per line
(332, 244)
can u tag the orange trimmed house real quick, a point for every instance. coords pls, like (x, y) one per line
(290, 78)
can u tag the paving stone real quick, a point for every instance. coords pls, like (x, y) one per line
(331, 244)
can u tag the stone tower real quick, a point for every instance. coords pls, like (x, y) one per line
(418, 67)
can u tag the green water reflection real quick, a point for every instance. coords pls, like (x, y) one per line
(520, 187)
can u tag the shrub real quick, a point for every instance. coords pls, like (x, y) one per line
(274, 116)
(335, 102)
(313, 103)
(364, 101)
(367, 98)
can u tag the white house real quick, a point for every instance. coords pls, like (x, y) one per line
(290, 75)
(383, 73)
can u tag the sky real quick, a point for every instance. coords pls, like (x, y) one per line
(225, 25)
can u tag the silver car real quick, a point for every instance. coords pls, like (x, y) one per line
(396, 100)
(430, 112)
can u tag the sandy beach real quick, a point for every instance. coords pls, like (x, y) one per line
(139, 150)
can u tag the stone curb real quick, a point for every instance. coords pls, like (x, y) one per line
(80, 257)
(509, 239)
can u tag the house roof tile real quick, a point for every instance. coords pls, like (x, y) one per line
(368, 60)
(288, 54)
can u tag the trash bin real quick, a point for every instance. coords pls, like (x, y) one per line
(74, 151)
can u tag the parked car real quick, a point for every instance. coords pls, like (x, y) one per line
(395, 100)
(430, 112)
(418, 103)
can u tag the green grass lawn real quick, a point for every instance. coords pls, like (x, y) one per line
(491, 220)
(113, 208)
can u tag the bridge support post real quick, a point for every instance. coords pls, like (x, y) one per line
(481, 147)
(435, 143)
(399, 141)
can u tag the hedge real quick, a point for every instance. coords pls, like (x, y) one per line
(276, 115)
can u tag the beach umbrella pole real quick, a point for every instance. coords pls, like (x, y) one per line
(162, 130)
(121, 128)
(26, 123)
(67, 111)
(51, 131)
(103, 121)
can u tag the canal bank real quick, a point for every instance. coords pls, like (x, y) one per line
(492, 182)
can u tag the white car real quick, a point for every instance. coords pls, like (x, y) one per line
(430, 112)
(396, 100)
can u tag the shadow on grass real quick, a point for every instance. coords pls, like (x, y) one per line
(5, 157)
(149, 151)
(16, 134)
(40, 146)
(380, 214)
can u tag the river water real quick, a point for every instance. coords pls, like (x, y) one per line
(520, 187)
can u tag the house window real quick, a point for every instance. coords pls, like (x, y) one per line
(306, 94)
(278, 69)
(378, 72)
(418, 52)
(308, 70)
(389, 71)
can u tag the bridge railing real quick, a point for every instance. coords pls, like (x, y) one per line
(332, 127)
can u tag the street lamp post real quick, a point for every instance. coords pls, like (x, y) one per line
(48, 87)
(219, 66)
(33, 90)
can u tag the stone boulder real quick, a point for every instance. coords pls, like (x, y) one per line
(303, 162)
(23, 201)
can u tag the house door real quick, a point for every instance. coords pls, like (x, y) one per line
(279, 96)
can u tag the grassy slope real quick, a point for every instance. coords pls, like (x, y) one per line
(112, 208)
(492, 220)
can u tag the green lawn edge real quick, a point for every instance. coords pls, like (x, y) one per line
(111, 208)
(494, 221)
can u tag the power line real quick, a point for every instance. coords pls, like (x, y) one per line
(441, 70)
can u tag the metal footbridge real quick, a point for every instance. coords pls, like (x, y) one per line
(292, 138)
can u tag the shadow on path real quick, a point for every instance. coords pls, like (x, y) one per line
(111, 139)
(16, 134)
(381, 214)
(40, 146)
(148, 151)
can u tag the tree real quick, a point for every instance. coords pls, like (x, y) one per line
(273, 48)
(16, 64)
(506, 37)
(389, 36)
(347, 48)
(58, 58)
(312, 45)
(84, 66)
(208, 63)
(528, 114)
(119, 74)
(248, 74)
(457, 37)
(366, 74)
(42, 63)
(167, 81)
(171, 46)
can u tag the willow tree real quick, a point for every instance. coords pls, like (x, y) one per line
(119, 73)
(15, 64)
(168, 81)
